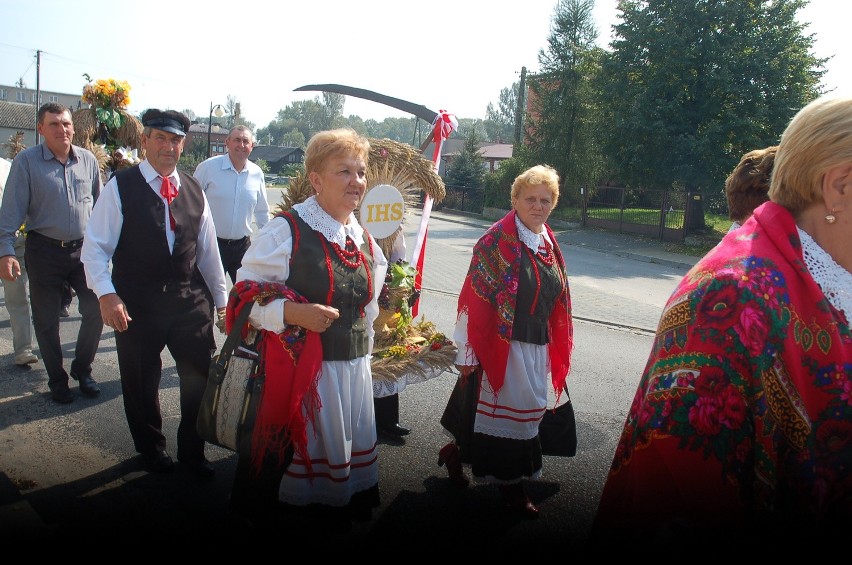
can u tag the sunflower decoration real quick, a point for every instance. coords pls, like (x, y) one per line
(406, 351)
(105, 128)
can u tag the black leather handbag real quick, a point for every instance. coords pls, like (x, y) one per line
(557, 431)
(234, 385)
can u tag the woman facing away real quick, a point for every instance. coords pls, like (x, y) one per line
(515, 336)
(747, 187)
(741, 427)
(315, 275)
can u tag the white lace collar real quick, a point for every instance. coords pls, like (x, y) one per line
(530, 239)
(834, 280)
(319, 220)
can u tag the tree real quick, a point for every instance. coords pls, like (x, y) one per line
(306, 116)
(198, 148)
(333, 106)
(470, 126)
(500, 121)
(263, 164)
(560, 127)
(293, 138)
(693, 84)
(466, 170)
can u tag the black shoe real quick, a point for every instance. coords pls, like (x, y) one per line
(202, 468)
(63, 312)
(62, 395)
(394, 430)
(88, 386)
(159, 462)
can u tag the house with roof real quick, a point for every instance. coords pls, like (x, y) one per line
(492, 153)
(198, 132)
(277, 157)
(18, 110)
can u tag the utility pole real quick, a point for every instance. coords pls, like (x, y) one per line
(519, 110)
(38, 93)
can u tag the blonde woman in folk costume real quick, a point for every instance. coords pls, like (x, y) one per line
(316, 274)
(514, 336)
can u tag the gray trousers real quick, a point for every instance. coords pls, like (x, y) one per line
(18, 305)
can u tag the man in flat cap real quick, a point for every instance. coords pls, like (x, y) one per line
(153, 222)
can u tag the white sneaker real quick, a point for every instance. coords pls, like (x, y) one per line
(26, 359)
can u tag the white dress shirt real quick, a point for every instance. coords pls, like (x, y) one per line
(104, 229)
(235, 197)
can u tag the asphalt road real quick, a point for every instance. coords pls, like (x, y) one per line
(68, 473)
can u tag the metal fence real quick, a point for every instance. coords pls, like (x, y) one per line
(464, 199)
(666, 215)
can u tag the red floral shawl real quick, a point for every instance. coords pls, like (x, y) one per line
(488, 296)
(743, 416)
(291, 362)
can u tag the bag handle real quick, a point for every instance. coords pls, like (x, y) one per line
(234, 337)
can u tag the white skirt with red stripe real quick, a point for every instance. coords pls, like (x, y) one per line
(341, 441)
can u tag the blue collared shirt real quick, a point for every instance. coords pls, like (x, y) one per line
(235, 197)
(53, 199)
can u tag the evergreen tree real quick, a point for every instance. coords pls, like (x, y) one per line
(559, 127)
(466, 170)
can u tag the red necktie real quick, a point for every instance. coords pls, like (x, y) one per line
(169, 191)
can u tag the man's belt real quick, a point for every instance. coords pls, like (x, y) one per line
(70, 244)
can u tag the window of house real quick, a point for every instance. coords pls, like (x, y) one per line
(20, 97)
(4, 94)
(53, 98)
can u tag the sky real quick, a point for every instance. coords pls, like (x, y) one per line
(453, 55)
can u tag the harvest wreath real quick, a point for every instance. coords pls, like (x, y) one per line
(105, 128)
(406, 351)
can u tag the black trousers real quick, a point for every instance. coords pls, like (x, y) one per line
(232, 251)
(49, 268)
(387, 410)
(179, 319)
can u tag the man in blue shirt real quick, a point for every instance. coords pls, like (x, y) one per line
(52, 187)
(236, 192)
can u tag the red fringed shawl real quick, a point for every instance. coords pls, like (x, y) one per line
(292, 364)
(488, 296)
(743, 416)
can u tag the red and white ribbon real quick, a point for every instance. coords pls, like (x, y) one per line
(443, 126)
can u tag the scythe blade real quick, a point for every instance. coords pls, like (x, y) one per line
(418, 110)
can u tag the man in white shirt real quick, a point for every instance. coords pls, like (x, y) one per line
(236, 192)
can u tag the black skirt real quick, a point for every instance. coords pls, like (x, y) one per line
(503, 459)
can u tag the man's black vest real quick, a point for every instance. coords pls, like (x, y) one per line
(346, 338)
(142, 264)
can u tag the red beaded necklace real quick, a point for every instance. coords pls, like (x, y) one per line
(546, 256)
(350, 255)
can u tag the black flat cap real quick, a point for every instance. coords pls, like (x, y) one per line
(169, 120)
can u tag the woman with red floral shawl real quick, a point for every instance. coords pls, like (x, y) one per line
(514, 334)
(314, 275)
(741, 428)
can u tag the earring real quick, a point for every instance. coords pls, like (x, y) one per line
(830, 218)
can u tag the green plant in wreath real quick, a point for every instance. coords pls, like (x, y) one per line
(109, 98)
(400, 278)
